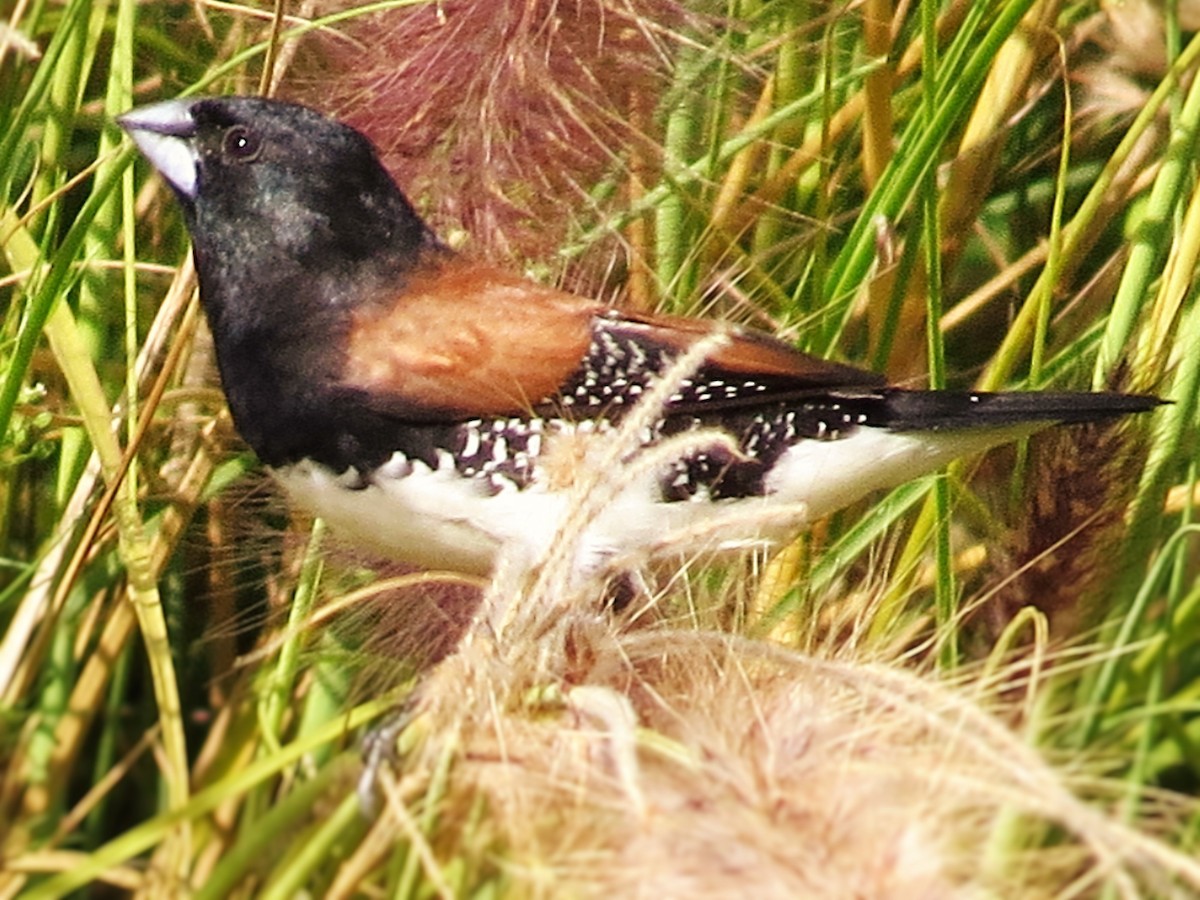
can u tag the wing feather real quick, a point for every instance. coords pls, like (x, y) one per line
(471, 340)
(467, 341)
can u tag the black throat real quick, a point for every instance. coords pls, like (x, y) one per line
(279, 293)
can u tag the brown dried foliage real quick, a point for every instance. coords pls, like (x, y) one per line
(500, 115)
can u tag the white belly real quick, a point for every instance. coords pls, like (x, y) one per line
(433, 518)
(436, 518)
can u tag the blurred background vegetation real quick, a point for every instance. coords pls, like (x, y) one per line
(998, 194)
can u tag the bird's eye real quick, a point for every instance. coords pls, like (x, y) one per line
(240, 144)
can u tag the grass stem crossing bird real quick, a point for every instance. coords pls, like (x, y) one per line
(429, 407)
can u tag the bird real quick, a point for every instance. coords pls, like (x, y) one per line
(429, 406)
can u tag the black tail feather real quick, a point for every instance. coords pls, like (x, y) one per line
(904, 410)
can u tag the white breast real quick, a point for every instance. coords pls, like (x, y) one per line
(433, 518)
(439, 519)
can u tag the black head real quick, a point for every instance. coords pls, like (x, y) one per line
(294, 224)
(271, 189)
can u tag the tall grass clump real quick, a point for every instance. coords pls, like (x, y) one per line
(982, 683)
